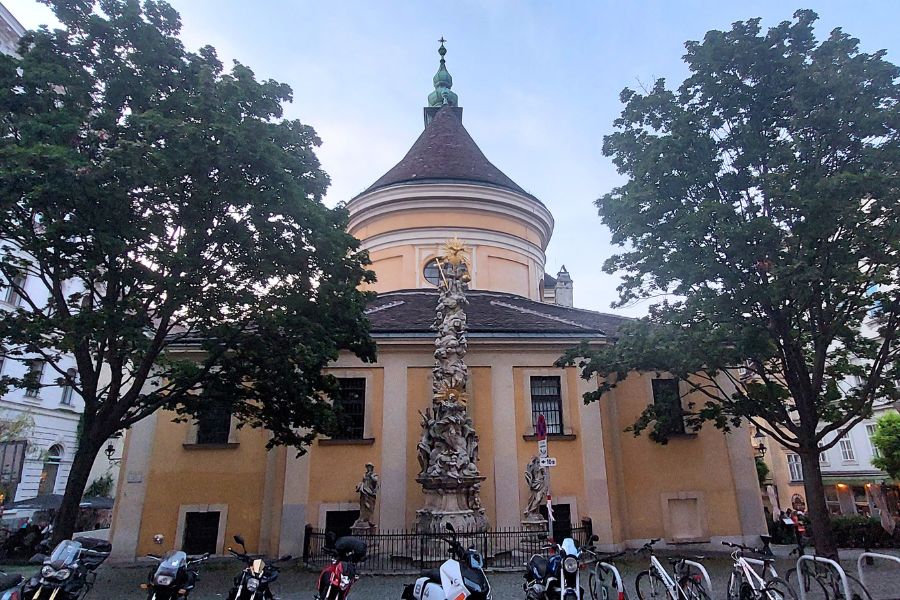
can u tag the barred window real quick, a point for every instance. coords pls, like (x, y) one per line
(546, 399)
(351, 400)
(214, 424)
(667, 401)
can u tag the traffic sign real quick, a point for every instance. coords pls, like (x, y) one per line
(548, 461)
(540, 428)
(542, 448)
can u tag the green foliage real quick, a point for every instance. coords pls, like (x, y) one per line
(163, 202)
(762, 471)
(15, 426)
(100, 487)
(857, 531)
(762, 202)
(887, 441)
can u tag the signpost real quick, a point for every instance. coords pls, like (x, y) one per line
(540, 430)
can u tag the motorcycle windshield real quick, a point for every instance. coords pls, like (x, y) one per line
(65, 554)
(171, 563)
(569, 546)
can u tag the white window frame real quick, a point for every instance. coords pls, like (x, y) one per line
(848, 454)
(871, 428)
(36, 391)
(795, 467)
(10, 295)
(823, 458)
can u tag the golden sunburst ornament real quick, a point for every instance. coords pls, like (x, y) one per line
(455, 252)
(451, 394)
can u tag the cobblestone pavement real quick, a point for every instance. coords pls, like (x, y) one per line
(121, 583)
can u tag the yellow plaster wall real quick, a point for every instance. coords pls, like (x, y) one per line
(696, 463)
(334, 470)
(177, 476)
(567, 478)
(423, 218)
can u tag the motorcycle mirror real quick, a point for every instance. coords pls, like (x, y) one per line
(159, 538)
(595, 538)
(38, 559)
(239, 539)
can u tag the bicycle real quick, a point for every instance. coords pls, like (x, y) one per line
(604, 576)
(656, 583)
(746, 584)
(828, 583)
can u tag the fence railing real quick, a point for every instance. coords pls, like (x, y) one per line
(406, 551)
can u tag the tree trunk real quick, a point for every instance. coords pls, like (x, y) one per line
(817, 509)
(64, 524)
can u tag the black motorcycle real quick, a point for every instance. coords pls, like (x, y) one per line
(69, 572)
(254, 580)
(175, 576)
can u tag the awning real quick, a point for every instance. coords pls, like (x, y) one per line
(856, 479)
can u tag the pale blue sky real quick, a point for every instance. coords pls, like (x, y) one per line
(539, 82)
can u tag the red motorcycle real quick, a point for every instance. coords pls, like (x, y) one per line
(336, 579)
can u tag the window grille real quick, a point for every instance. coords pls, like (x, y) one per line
(546, 399)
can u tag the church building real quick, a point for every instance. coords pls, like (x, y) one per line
(201, 483)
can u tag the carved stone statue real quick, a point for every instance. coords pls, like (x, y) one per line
(447, 452)
(536, 478)
(368, 490)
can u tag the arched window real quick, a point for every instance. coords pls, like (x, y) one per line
(51, 470)
(432, 272)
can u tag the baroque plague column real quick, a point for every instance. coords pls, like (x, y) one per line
(448, 450)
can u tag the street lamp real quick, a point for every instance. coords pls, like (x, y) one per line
(761, 447)
(110, 450)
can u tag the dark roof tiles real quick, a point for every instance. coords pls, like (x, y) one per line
(446, 152)
(412, 311)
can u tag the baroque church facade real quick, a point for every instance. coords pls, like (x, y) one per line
(200, 483)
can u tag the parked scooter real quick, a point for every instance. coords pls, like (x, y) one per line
(556, 577)
(461, 576)
(253, 582)
(69, 572)
(336, 579)
(175, 576)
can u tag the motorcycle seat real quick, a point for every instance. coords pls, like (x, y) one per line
(432, 574)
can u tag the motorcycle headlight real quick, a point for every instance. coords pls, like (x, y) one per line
(570, 564)
(252, 584)
(62, 574)
(47, 571)
(164, 580)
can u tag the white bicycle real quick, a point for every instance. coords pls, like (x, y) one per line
(604, 577)
(746, 584)
(657, 584)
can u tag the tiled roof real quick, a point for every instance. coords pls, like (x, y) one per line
(549, 280)
(446, 152)
(412, 311)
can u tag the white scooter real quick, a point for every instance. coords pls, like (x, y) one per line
(460, 577)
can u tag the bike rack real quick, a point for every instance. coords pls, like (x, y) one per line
(826, 561)
(620, 587)
(863, 556)
(706, 580)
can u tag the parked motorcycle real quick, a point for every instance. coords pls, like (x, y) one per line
(69, 572)
(9, 586)
(253, 581)
(175, 576)
(336, 579)
(556, 577)
(461, 576)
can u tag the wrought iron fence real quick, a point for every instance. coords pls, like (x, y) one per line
(405, 551)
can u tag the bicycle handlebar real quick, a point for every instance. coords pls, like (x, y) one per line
(742, 547)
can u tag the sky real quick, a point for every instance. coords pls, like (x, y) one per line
(539, 83)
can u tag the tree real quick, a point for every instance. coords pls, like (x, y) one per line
(887, 441)
(159, 203)
(762, 204)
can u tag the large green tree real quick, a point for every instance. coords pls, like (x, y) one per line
(887, 441)
(762, 207)
(160, 203)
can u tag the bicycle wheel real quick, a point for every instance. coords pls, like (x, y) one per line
(778, 589)
(595, 583)
(602, 584)
(814, 588)
(693, 589)
(733, 591)
(649, 586)
(857, 590)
